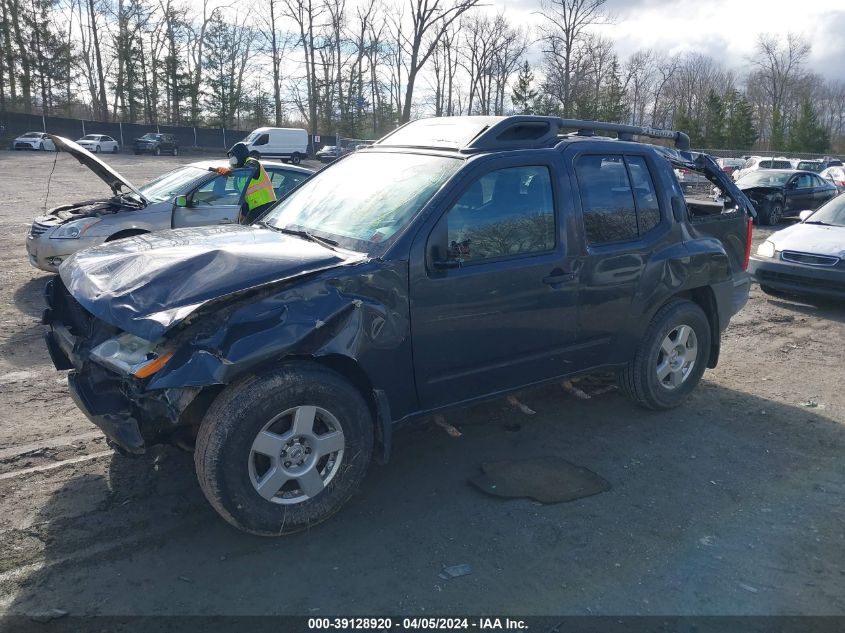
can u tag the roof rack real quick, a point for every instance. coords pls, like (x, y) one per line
(479, 133)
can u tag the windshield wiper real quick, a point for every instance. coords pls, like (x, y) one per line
(303, 234)
(820, 222)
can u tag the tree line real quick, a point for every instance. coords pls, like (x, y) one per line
(363, 68)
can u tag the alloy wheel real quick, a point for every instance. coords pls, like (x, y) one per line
(296, 454)
(676, 357)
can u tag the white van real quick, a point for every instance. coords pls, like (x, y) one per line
(288, 143)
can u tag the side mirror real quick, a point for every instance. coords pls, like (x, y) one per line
(181, 201)
(805, 214)
(792, 184)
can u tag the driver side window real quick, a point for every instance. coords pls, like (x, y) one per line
(220, 191)
(805, 181)
(262, 140)
(504, 213)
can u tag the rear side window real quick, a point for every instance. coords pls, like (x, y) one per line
(618, 198)
(781, 164)
(504, 213)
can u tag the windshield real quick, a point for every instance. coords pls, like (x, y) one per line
(89, 137)
(763, 179)
(365, 199)
(173, 183)
(32, 135)
(151, 136)
(810, 165)
(249, 139)
(831, 213)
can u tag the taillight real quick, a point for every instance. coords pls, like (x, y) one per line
(748, 244)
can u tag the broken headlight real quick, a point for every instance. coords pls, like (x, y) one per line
(74, 230)
(766, 249)
(129, 354)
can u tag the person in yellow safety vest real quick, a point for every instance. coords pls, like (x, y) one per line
(259, 193)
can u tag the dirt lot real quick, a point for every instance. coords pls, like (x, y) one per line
(732, 504)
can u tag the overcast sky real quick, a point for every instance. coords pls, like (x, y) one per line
(725, 29)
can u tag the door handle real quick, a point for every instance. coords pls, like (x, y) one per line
(558, 277)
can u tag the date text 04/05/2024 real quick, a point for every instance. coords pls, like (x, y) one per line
(431, 623)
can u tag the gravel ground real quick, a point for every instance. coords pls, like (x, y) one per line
(731, 504)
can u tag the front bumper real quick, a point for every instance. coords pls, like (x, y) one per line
(799, 279)
(48, 254)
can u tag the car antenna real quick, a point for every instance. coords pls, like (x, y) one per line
(49, 178)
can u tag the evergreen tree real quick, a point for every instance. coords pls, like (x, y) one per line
(613, 107)
(807, 135)
(777, 141)
(714, 122)
(741, 132)
(523, 96)
(685, 123)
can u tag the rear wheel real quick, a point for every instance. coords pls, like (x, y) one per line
(295, 159)
(671, 358)
(278, 453)
(114, 149)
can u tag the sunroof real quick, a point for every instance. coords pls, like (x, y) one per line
(446, 133)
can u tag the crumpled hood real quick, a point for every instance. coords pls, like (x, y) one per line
(147, 284)
(759, 190)
(811, 238)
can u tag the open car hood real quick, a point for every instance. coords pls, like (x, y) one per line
(147, 284)
(117, 183)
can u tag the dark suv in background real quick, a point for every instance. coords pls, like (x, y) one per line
(158, 144)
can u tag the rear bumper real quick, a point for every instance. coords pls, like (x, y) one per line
(799, 279)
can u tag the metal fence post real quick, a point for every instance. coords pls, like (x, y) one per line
(195, 137)
(224, 137)
(120, 123)
(83, 126)
(43, 123)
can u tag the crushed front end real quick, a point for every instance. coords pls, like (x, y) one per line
(109, 373)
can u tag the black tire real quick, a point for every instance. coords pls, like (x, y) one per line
(115, 149)
(295, 159)
(223, 454)
(97, 149)
(772, 213)
(41, 147)
(639, 378)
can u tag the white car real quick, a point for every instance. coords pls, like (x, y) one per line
(38, 141)
(762, 162)
(97, 143)
(836, 175)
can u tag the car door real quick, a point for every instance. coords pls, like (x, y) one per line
(493, 284)
(218, 201)
(800, 193)
(823, 191)
(624, 220)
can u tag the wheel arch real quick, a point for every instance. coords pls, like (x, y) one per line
(704, 298)
(125, 233)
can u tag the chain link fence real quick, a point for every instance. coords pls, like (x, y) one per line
(13, 124)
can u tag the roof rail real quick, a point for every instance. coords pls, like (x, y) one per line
(625, 132)
(480, 133)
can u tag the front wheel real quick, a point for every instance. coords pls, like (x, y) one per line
(773, 214)
(671, 357)
(97, 149)
(279, 453)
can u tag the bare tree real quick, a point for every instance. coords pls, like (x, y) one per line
(430, 19)
(566, 23)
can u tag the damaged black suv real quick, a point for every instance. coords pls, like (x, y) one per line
(455, 260)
